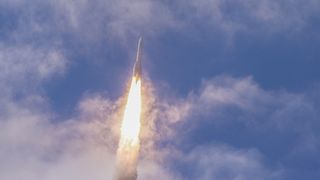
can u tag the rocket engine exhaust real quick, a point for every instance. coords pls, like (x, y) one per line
(129, 144)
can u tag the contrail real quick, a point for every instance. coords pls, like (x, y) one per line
(129, 144)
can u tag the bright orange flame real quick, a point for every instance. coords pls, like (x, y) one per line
(130, 127)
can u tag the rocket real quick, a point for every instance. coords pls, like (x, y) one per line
(137, 64)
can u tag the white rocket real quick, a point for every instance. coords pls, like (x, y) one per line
(137, 64)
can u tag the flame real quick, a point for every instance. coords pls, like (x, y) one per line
(129, 144)
(130, 127)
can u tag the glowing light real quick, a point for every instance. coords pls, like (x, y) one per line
(129, 144)
(130, 127)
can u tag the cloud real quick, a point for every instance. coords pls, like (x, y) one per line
(239, 114)
(278, 109)
(223, 162)
(33, 147)
(246, 96)
(107, 19)
(26, 61)
(36, 143)
(124, 20)
(253, 16)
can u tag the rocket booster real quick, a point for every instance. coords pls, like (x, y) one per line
(137, 64)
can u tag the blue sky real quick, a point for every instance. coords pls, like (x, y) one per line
(231, 88)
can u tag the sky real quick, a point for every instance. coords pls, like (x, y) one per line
(231, 88)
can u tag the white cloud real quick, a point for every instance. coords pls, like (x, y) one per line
(223, 101)
(282, 109)
(93, 21)
(34, 144)
(33, 147)
(90, 21)
(24, 66)
(84, 146)
(223, 162)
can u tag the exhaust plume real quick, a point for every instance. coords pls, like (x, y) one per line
(129, 144)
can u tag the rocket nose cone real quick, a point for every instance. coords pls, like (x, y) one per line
(140, 44)
(140, 40)
(137, 64)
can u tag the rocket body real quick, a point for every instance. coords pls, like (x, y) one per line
(137, 65)
(129, 143)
